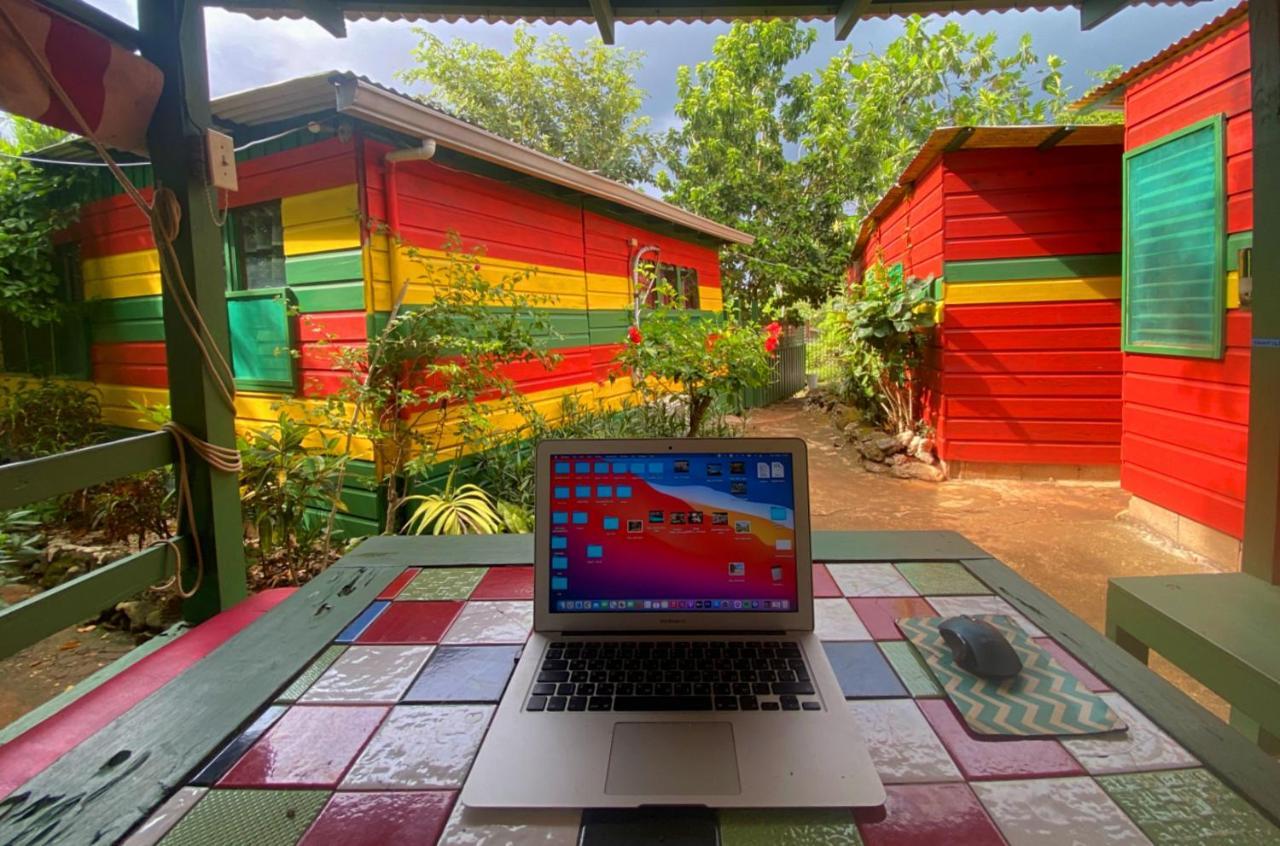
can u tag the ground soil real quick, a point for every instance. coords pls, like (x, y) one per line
(1067, 538)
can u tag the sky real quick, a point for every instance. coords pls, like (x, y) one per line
(245, 53)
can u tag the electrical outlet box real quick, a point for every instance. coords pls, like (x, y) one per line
(220, 154)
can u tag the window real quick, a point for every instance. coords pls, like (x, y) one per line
(258, 313)
(56, 349)
(682, 280)
(1174, 244)
(255, 247)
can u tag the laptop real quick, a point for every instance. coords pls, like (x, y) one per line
(673, 659)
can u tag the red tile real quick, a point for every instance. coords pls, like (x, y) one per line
(824, 587)
(381, 819)
(880, 613)
(505, 583)
(391, 590)
(926, 815)
(411, 622)
(1072, 666)
(310, 746)
(983, 757)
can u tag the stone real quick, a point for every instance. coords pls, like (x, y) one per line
(875, 467)
(905, 437)
(899, 458)
(921, 455)
(913, 446)
(888, 444)
(916, 470)
(870, 451)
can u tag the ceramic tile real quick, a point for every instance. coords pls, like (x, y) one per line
(1072, 666)
(951, 606)
(505, 583)
(985, 757)
(834, 619)
(234, 751)
(310, 746)
(376, 818)
(881, 613)
(863, 671)
(516, 827)
(308, 676)
(644, 826)
(492, 622)
(369, 674)
(243, 817)
(1143, 746)
(442, 583)
(1190, 807)
(165, 817)
(902, 745)
(1055, 812)
(421, 746)
(913, 672)
(941, 578)
(360, 623)
(411, 622)
(824, 587)
(870, 580)
(787, 827)
(398, 583)
(928, 815)
(465, 674)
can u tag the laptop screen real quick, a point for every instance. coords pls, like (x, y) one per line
(670, 531)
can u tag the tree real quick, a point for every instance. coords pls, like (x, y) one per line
(19, 135)
(582, 106)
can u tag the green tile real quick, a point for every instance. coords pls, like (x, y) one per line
(791, 827)
(443, 583)
(310, 674)
(260, 817)
(941, 578)
(1188, 806)
(915, 675)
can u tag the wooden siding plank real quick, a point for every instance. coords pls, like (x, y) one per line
(1038, 452)
(1203, 506)
(1026, 385)
(1034, 362)
(1047, 267)
(1015, 409)
(1220, 475)
(1014, 315)
(1060, 431)
(1231, 369)
(1205, 399)
(1061, 339)
(1228, 440)
(1035, 291)
(346, 266)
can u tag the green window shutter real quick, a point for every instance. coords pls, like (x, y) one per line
(1174, 244)
(71, 333)
(261, 339)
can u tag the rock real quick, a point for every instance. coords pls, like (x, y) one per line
(875, 467)
(921, 455)
(846, 415)
(904, 437)
(899, 458)
(888, 444)
(916, 470)
(913, 446)
(155, 618)
(136, 610)
(871, 451)
(926, 445)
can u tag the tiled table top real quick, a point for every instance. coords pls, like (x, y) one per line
(372, 742)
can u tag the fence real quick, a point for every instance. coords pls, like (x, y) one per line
(788, 372)
(821, 356)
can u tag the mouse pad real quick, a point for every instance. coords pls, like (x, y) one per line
(1044, 699)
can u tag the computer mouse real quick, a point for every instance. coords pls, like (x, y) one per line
(980, 648)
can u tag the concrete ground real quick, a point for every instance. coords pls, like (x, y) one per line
(1067, 538)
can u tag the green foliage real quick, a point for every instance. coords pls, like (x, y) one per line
(462, 510)
(20, 538)
(705, 362)
(133, 508)
(1098, 116)
(582, 106)
(48, 417)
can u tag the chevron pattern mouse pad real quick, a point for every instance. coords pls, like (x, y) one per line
(1044, 699)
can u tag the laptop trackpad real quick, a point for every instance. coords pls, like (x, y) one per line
(672, 759)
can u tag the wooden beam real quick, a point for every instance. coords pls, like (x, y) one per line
(963, 134)
(1056, 137)
(174, 40)
(849, 13)
(25, 482)
(1262, 491)
(327, 14)
(602, 10)
(1094, 12)
(81, 598)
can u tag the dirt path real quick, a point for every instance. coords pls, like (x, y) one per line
(1067, 538)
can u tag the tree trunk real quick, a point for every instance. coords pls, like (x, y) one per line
(698, 406)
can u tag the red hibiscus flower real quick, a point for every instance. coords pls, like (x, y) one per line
(711, 340)
(774, 329)
(634, 334)
(771, 343)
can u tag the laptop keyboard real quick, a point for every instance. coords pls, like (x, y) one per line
(700, 675)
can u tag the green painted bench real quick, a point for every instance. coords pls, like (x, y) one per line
(1223, 629)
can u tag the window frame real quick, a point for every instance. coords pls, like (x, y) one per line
(233, 243)
(288, 303)
(1215, 349)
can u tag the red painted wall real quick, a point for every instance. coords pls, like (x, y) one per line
(911, 231)
(1186, 420)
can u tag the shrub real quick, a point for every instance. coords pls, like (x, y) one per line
(47, 417)
(133, 507)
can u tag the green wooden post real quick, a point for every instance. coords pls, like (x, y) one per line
(1262, 496)
(173, 36)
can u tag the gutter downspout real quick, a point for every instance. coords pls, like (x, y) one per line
(389, 161)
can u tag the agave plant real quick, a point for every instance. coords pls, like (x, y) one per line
(464, 510)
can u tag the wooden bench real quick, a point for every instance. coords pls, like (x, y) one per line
(1223, 629)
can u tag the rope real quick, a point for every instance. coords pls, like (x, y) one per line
(218, 458)
(165, 216)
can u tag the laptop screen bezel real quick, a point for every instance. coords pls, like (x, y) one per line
(545, 620)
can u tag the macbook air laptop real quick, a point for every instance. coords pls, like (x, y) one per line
(673, 659)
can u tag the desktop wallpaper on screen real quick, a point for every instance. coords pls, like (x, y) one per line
(671, 531)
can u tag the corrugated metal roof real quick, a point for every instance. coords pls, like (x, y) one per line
(1105, 95)
(951, 138)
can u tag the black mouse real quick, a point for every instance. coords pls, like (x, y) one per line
(980, 648)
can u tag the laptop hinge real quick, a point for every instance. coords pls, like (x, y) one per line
(721, 632)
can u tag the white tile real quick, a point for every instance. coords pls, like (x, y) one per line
(834, 619)
(518, 827)
(951, 606)
(902, 743)
(1056, 812)
(166, 817)
(1143, 746)
(421, 746)
(492, 622)
(368, 674)
(870, 580)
